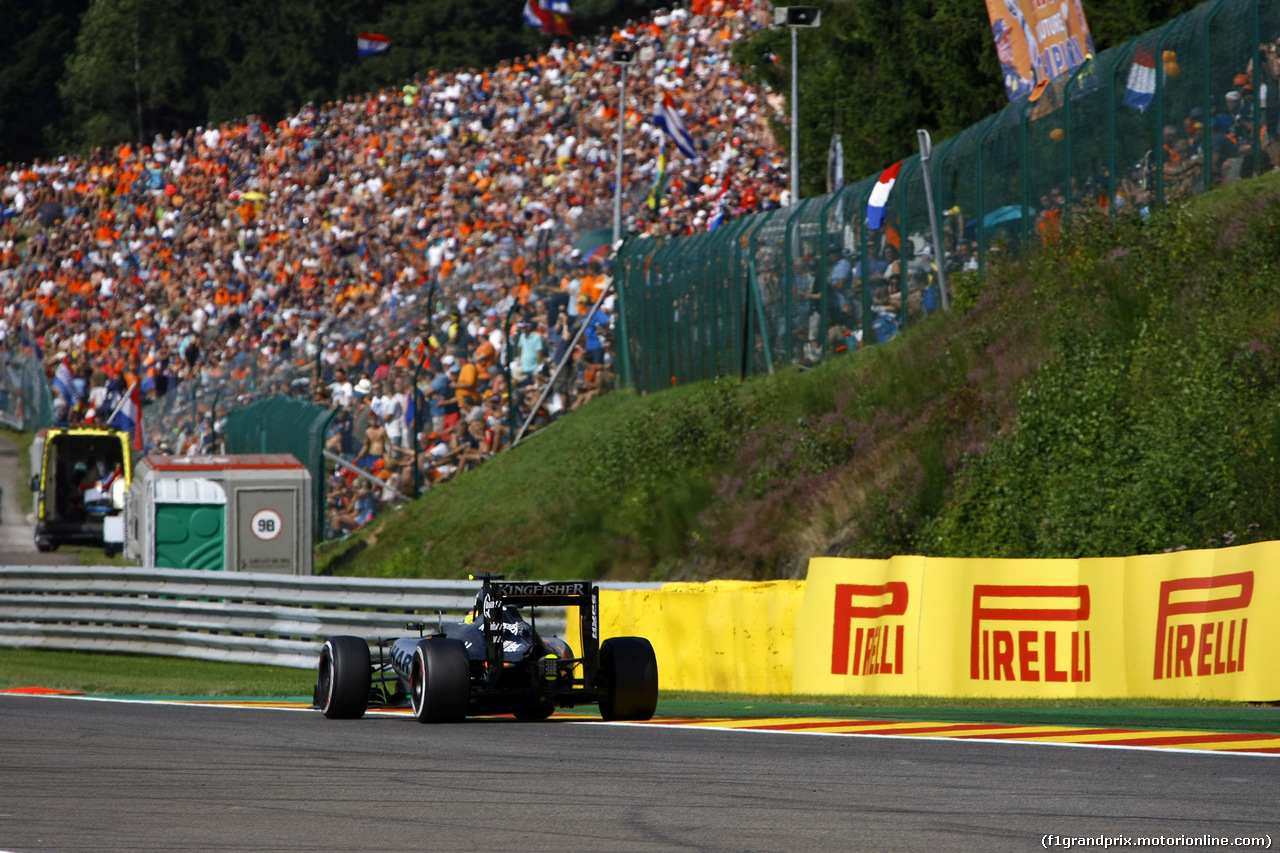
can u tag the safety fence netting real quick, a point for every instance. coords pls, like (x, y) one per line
(1174, 112)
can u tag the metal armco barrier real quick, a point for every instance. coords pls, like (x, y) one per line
(236, 617)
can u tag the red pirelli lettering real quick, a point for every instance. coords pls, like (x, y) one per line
(1177, 661)
(986, 610)
(866, 660)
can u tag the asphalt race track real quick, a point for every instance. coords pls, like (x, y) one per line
(91, 775)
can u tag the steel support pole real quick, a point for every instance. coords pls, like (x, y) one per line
(795, 118)
(617, 180)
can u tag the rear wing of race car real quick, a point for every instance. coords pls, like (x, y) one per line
(583, 595)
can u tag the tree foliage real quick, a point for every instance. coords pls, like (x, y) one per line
(131, 71)
(34, 43)
(78, 72)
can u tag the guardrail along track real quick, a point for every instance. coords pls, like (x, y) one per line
(280, 620)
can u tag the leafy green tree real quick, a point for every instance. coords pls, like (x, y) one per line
(131, 73)
(269, 59)
(34, 43)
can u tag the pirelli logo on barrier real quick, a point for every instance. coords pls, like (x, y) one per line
(1189, 644)
(1055, 649)
(875, 649)
(1184, 625)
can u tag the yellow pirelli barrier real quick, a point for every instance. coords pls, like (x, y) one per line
(719, 637)
(1193, 624)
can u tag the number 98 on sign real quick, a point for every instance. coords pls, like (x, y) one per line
(266, 524)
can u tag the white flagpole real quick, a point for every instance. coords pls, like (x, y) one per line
(120, 405)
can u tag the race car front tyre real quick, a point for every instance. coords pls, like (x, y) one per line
(629, 672)
(342, 686)
(440, 680)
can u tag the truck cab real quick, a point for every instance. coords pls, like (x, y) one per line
(81, 476)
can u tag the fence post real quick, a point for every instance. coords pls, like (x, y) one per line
(1112, 156)
(859, 215)
(1207, 140)
(1087, 65)
(1165, 32)
(979, 223)
(622, 346)
(1255, 42)
(753, 285)
(904, 174)
(824, 272)
(1024, 172)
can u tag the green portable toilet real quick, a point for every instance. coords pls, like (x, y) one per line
(241, 512)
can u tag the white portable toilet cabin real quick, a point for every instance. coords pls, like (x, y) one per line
(245, 512)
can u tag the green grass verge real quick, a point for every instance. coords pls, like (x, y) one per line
(22, 447)
(129, 675)
(125, 675)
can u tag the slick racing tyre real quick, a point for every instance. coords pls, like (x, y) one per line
(342, 688)
(440, 680)
(629, 672)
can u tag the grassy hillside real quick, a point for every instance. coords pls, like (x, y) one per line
(1115, 393)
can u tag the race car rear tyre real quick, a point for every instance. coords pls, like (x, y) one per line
(342, 687)
(440, 680)
(629, 672)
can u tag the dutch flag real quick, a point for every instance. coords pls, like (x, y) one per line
(64, 384)
(879, 199)
(371, 44)
(667, 117)
(1140, 91)
(129, 417)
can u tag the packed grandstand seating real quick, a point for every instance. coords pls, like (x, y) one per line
(359, 246)
(443, 236)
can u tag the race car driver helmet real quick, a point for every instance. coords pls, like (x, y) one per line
(510, 614)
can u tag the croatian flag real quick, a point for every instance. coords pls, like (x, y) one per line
(129, 418)
(371, 44)
(880, 196)
(551, 17)
(1140, 91)
(667, 117)
(64, 384)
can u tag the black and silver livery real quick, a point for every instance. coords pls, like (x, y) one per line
(493, 662)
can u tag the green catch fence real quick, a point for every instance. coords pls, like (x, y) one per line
(284, 424)
(26, 399)
(1172, 113)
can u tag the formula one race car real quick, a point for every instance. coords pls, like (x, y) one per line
(494, 662)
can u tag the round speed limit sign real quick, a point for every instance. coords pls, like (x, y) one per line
(266, 524)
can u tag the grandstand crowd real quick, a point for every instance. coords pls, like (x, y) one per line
(420, 258)
(425, 236)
